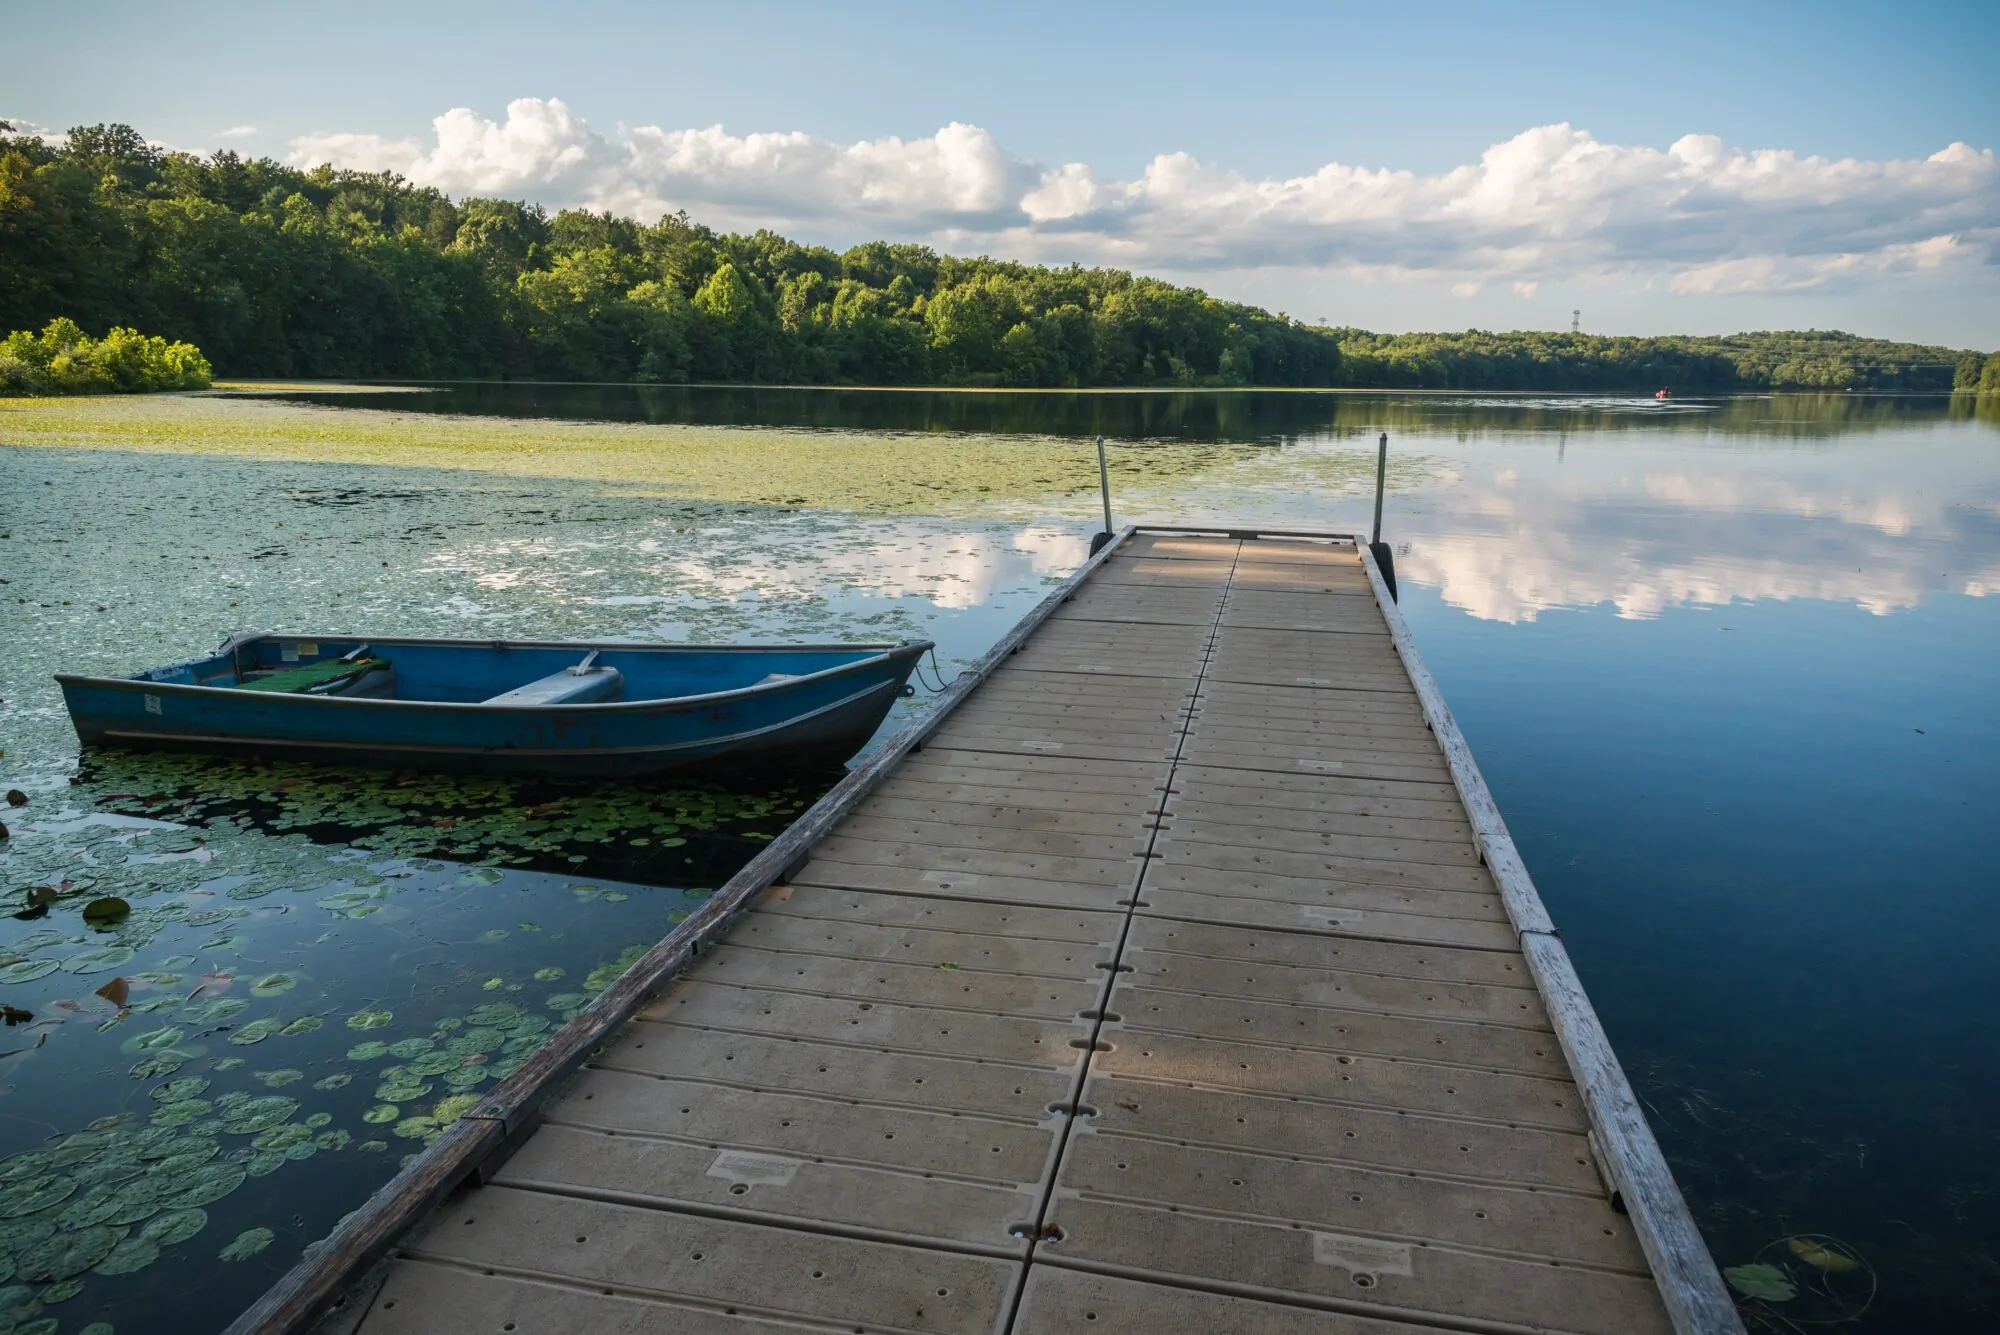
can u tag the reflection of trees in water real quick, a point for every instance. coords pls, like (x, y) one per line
(1205, 415)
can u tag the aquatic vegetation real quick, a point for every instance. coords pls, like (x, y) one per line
(247, 1244)
(861, 471)
(1761, 1280)
(1804, 1280)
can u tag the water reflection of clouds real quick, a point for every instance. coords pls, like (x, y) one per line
(951, 569)
(1880, 526)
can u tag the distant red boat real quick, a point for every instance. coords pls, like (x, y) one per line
(1663, 394)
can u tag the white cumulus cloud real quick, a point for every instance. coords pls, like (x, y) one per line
(1553, 203)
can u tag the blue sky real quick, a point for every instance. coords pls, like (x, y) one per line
(1334, 161)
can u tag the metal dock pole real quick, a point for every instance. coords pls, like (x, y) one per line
(1104, 487)
(1383, 556)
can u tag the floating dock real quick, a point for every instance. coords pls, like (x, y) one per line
(1175, 972)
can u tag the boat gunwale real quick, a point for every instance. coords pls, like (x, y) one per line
(665, 703)
(729, 739)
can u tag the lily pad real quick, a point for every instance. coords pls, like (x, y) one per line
(480, 876)
(93, 1207)
(210, 1182)
(187, 1087)
(35, 1193)
(256, 1031)
(67, 1254)
(128, 1256)
(174, 1226)
(264, 1162)
(159, 1064)
(273, 984)
(449, 1110)
(338, 1080)
(548, 975)
(258, 1115)
(107, 912)
(492, 1013)
(98, 961)
(1761, 1280)
(247, 1244)
(27, 971)
(381, 1114)
(370, 1019)
(436, 1063)
(153, 1040)
(354, 903)
(396, 1092)
(283, 1137)
(333, 1140)
(216, 1011)
(181, 1113)
(411, 1047)
(305, 1024)
(280, 1078)
(1822, 1254)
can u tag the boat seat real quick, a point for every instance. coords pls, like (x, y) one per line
(571, 686)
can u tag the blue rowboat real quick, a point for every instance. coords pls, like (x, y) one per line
(519, 707)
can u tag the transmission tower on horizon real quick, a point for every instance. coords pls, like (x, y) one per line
(1576, 322)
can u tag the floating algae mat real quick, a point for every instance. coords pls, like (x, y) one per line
(237, 997)
(853, 470)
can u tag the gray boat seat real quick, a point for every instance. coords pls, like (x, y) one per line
(571, 686)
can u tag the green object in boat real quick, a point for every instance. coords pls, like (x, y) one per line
(315, 676)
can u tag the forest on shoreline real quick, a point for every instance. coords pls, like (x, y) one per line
(272, 271)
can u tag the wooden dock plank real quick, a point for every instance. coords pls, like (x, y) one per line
(664, 1258)
(1164, 986)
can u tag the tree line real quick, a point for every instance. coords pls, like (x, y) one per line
(275, 271)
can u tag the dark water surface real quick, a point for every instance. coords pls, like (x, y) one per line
(1728, 666)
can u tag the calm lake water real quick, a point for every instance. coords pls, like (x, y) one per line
(1727, 666)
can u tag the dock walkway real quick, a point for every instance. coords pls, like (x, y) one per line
(1168, 987)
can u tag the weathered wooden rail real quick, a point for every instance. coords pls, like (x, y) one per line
(1174, 971)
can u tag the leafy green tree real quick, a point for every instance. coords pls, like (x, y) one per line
(62, 359)
(277, 271)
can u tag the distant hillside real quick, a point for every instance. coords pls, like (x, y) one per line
(272, 271)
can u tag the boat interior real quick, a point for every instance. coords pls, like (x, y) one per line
(500, 673)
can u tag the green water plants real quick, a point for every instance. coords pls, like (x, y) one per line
(107, 912)
(130, 1255)
(247, 1244)
(1761, 1280)
(174, 1226)
(68, 1253)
